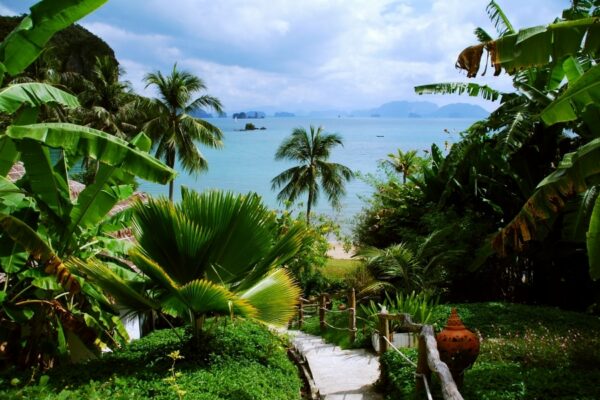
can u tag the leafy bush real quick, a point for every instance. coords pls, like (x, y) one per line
(239, 360)
(419, 305)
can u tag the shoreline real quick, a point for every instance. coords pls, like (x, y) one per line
(337, 252)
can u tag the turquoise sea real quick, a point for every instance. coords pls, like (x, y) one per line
(246, 163)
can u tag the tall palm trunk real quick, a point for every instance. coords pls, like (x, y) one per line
(171, 163)
(310, 200)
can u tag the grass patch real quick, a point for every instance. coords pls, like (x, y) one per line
(339, 269)
(527, 352)
(240, 360)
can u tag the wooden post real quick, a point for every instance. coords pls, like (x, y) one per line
(384, 332)
(352, 315)
(422, 367)
(322, 301)
(300, 313)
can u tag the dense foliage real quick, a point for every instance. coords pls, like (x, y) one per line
(236, 360)
(510, 206)
(73, 49)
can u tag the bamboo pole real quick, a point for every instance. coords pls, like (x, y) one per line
(300, 313)
(322, 301)
(384, 331)
(352, 315)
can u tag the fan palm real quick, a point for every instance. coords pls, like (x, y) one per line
(172, 125)
(212, 254)
(312, 152)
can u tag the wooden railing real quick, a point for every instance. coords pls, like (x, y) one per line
(429, 356)
(324, 306)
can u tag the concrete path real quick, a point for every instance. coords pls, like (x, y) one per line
(338, 374)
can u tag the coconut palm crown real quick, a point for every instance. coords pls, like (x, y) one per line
(172, 125)
(214, 253)
(313, 173)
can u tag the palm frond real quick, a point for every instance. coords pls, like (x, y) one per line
(274, 297)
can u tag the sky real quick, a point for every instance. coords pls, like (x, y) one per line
(304, 55)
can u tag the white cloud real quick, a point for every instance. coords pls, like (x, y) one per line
(314, 53)
(7, 11)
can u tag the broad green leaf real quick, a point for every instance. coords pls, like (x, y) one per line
(101, 146)
(47, 185)
(583, 92)
(142, 142)
(18, 314)
(472, 89)
(21, 233)
(573, 69)
(16, 259)
(2, 296)
(93, 203)
(593, 241)
(33, 94)
(61, 339)
(577, 172)
(11, 196)
(8, 155)
(25, 43)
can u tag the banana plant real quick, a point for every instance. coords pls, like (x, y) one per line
(565, 48)
(46, 309)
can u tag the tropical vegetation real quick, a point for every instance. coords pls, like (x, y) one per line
(313, 173)
(237, 360)
(213, 254)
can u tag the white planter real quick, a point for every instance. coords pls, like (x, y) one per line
(400, 340)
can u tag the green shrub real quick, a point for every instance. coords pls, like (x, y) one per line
(239, 360)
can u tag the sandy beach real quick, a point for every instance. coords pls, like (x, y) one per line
(336, 250)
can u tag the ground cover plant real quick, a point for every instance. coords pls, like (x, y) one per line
(527, 352)
(235, 360)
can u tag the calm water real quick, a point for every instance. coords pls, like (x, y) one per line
(246, 163)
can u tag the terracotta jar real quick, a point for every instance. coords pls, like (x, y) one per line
(458, 346)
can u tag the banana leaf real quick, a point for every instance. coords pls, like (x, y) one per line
(47, 184)
(33, 94)
(472, 89)
(88, 142)
(593, 241)
(584, 92)
(25, 43)
(578, 172)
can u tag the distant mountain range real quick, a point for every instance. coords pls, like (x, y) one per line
(394, 109)
(423, 109)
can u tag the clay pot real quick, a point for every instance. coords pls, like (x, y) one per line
(458, 346)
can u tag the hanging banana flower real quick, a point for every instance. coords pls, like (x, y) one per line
(40, 251)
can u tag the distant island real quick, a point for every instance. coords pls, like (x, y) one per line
(283, 114)
(248, 115)
(393, 109)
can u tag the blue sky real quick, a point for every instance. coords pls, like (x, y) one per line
(303, 55)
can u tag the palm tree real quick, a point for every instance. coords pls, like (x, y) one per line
(106, 100)
(214, 253)
(172, 124)
(404, 163)
(312, 152)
